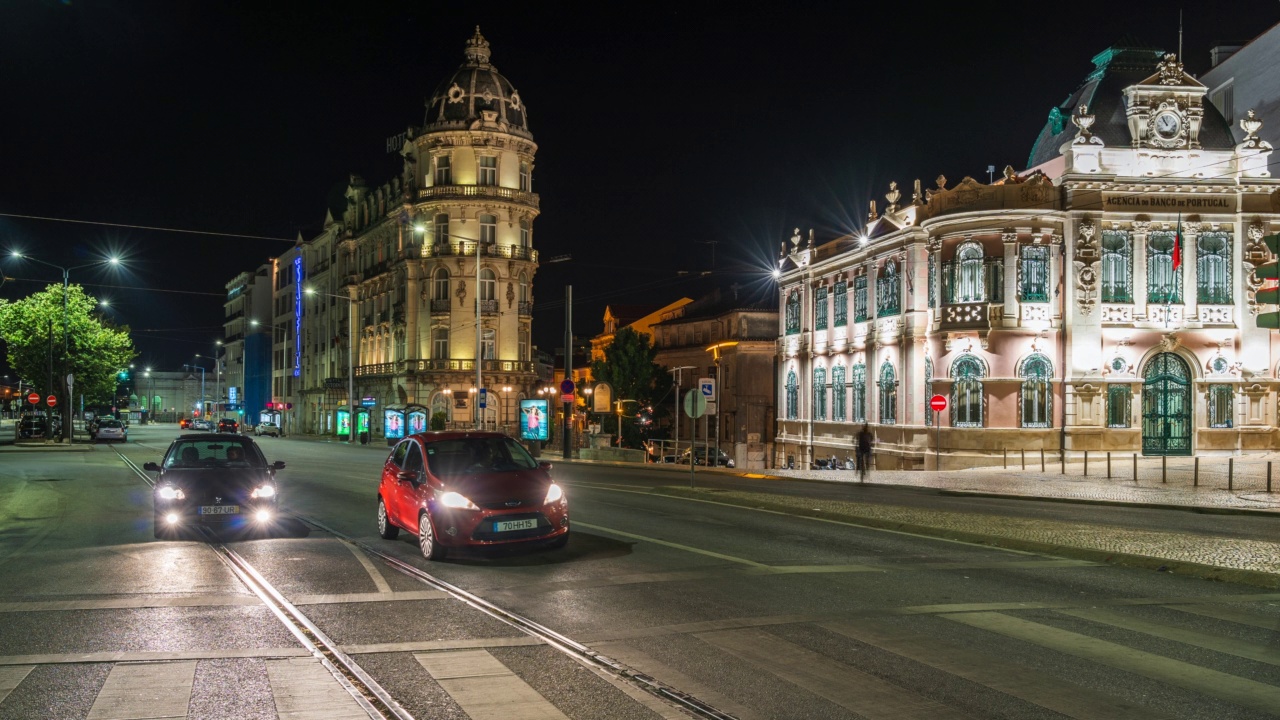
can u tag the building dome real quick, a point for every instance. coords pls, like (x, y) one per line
(476, 86)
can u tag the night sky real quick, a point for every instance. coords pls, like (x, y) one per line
(672, 141)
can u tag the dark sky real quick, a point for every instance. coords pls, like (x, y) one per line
(667, 131)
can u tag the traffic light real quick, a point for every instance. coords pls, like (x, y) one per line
(123, 376)
(1270, 295)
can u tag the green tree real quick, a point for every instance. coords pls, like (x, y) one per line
(629, 369)
(32, 329)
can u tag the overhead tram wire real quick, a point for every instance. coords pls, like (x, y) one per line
(148, 227)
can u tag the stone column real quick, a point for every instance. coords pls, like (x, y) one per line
(1138, 237)
(1191, 273)
(412, 299)
(1010, 240)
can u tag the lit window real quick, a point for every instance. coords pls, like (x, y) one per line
(820, 309)
(888, 395)
(441, 230)
(841, 304)
(793, 395)
(1035, 397)
(488, 228)
(967, 373)
(524, 177)
(444, 170)
(1119, 406)
(488, 344)
(488, 171)
(488, 285)
(1164, 284)
(1213, 268)
(1033, 268)
(524, 233)
(1220, 401)
(969, 283)
(860, 298)
(888, 290)
(440, 284)
(858, 393)
(837, 394)
(793, 312)
(440, 343)
(1117, 267)
(819, 393)
(524, 288)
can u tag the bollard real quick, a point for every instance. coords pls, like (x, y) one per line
(1024, 458)
(1041, 459)
(1231, 470)
(1135, 468)
(1005, 453)
(1108, 464)
(1062, 458)
(1195, 474)
(1268, 476)
(1086, 463)
(1164, 468)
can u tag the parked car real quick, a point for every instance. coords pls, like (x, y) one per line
(214, 480)
(267, 428)
(469, 489)
(33, 426)
(111, 429)
(721, 458)
(227, 425)
(202, 424)
(184, 423)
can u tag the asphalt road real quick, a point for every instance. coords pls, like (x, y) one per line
(758, 614)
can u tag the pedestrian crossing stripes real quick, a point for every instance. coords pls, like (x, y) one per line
(473, 675)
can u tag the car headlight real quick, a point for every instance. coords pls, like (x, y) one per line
(265, 491)
(454, 500)
(554, 493)
(168, 492)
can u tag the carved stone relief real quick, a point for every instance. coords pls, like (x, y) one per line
(1035, 311)
(511, 294)
(461, 292)
(1122, 314)
(1088, 255)
(1165, 314)
(1215, 314)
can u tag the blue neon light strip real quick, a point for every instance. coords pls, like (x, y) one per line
(297, 316)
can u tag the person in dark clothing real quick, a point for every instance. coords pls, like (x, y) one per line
(865, 440)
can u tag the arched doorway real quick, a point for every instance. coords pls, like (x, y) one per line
(1166, 406)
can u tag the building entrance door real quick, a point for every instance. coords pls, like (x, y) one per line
(1166, 406)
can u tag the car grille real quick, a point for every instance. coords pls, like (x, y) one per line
(484, 531)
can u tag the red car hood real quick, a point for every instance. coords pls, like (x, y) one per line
(498, 488)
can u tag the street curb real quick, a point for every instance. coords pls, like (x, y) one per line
(1197, 570)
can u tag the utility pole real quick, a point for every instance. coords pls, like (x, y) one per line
(568, 368)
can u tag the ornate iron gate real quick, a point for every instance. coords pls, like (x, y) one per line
(1166, 406)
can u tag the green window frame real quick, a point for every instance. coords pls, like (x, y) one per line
(793, 395)
(888, 395)
(888, 291)
(840, 300)
(838, 393)
(860, 298)
(1119, 406)
(970, 285)
(1213, 268)
(1221, 403)
(1164, 284)
(1033, 274)
(967, 394)
(928, 391)
(858, 393)
(1117, 267)
(933, 280)
(819, 393)
(793, 312)
(1035, 397)
(820, 309)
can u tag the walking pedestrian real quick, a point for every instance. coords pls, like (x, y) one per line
(865, 441)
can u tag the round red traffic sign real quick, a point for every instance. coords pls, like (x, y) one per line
(566, 388)
(33, 398)
(51, 400)
(938, 403)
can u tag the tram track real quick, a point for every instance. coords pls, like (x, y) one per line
(371, 696)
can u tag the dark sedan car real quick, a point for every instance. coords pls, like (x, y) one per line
(469, 489)
(215, 480)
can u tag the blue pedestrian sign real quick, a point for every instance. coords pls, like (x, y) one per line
(483, 395)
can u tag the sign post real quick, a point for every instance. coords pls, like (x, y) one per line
(695, 404)
(33, 398)
(937, 403)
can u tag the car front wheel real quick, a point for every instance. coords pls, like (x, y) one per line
(427, 542)
(386, 530)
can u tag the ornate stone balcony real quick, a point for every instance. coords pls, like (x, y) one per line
(405, 367)
(440, 307)
(467, 248)
(449, 192)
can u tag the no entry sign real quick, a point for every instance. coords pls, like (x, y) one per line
(938, 403)
(51, 400)
(33, 398)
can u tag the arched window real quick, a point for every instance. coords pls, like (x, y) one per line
(1033, 271)
(967, 392)
(837, 394)
(969, 285)
(440, 285)
(440, 233)
(1035, 399)
(1213, 268)
(793, 395)
(858, 391)
(488, 285)
(819, 393)
(1164, 284)
(488, 228)
(928, 391)
(793, 312)
(888, 290)
(488, 344)
(1117, 267)
(888, 395)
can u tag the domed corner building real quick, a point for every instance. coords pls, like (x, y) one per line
(415, 255)
(1103, 299)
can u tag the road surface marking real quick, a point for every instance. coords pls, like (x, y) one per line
(124, 657)
(434, 645)
(1248, 649)
(1241, 691)
(846, 686)
(145, 690)
(486, 689)
(1011, 679)
(1235, 615)
(678, 546)
(10, 677)
(132, 603)
(369, 597)
(378, 580)
(304, 690)
(647, 664)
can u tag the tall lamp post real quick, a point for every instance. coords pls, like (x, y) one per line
(201, 369)
(66, 279)
(676, 432)
(351, 360)
(217, 379)
(151, 395)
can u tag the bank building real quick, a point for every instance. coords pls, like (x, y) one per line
(1102, 300)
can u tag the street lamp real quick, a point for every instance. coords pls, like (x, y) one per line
(351, 360)
(676, 431)
(217, 380)
(66, 278)
(151, 394)
(506, 389)
(201, 369)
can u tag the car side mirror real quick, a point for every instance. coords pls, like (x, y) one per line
(151, 467)
(408, 476)
(544, 465)
(277, 465)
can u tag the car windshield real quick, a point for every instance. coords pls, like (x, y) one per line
(212, 453)
(109, 424)
(471, 456)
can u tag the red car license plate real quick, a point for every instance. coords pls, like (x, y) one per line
(505, 525)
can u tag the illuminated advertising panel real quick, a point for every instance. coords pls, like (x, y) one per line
(393, 423)
(534, 420)
(344, 423)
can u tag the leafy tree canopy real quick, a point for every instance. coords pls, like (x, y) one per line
(629, 369)
(96, 350)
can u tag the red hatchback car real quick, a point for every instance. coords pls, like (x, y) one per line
(469, 489)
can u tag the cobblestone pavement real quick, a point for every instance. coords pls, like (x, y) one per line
(1252, 558)
(1180, 487)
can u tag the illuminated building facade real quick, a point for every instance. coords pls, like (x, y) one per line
(1103, 299)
